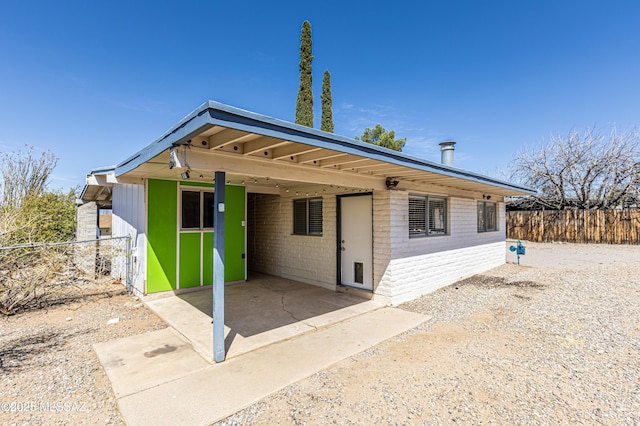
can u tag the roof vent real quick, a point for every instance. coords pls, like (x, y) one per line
(446, 152)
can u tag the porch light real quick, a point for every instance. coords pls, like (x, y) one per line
(391, 183)
(185, 175)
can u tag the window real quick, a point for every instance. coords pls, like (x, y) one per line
(487, 220)
(197, 209)
(427, 215)
(307, 216)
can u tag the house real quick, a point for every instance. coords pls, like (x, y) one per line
(298, 203)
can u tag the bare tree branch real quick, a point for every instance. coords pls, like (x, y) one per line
(586, 170)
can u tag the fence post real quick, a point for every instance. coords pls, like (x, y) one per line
(128, 264)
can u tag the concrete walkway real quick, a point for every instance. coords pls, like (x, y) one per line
(159, 379)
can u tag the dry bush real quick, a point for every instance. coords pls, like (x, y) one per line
(44, 275)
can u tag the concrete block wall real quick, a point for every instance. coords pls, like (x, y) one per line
(86, 230)
(421, 265)
(87, 221)
(403, 268)
(382, 244)
(273, 249)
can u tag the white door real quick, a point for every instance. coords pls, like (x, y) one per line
(356, 241)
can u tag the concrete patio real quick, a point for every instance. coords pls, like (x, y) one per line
(277, 332)
(262, 311)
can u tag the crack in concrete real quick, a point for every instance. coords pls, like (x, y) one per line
(293, 316)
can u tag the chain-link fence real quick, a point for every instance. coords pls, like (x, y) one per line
(39, 275)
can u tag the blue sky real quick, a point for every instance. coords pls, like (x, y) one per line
(96, 81)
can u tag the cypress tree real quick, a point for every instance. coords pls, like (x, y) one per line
(304, 104)
(326, 123)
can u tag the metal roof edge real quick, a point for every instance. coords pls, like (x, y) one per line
(101, 170)
(225, 115)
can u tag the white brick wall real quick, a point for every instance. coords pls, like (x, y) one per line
(273, 249)
(403, 268)
(422, 265)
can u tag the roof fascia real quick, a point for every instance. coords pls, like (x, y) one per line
(212, 113)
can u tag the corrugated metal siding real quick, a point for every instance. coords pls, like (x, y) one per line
(128, 219)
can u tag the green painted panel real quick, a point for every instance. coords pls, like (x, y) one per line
(207, 261)
(234, 251)
(162, 240)
(161, 235)
(189, 259)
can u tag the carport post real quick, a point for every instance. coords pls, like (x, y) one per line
(218, 268)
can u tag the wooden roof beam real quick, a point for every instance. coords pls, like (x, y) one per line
(229, 137)
(293, 151)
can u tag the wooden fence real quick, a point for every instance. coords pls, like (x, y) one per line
(575, 226)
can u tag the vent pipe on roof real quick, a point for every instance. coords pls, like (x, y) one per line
(446, 152)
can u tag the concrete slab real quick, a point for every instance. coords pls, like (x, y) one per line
(209, 394)
(259, 312)
(140, 362)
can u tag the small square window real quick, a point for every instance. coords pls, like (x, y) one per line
(307, 216)
(197, 210)
(427, 215)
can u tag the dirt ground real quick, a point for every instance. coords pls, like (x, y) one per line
(49, 373)
(555, 340)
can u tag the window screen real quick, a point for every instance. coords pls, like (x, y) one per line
(207, 209)
(487, 216)
(490, 220)
(315, 216)
(190, 209)
(417, 215)
(481, 226)
(300, 217)
(307, 216)
(437, 216)
(427, 215)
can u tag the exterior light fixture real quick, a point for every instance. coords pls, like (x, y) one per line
(185, 175)
(391, 183)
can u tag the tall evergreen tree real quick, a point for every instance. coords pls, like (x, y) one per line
(326, 123)
(304, 104)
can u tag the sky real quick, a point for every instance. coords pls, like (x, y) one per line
(94, 82)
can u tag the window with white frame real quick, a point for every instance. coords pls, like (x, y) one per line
(487, 217)
(307, 216)
(427, 215)
(196, 209)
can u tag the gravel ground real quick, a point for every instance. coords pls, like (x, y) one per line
(556, 340)
(49, 373)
